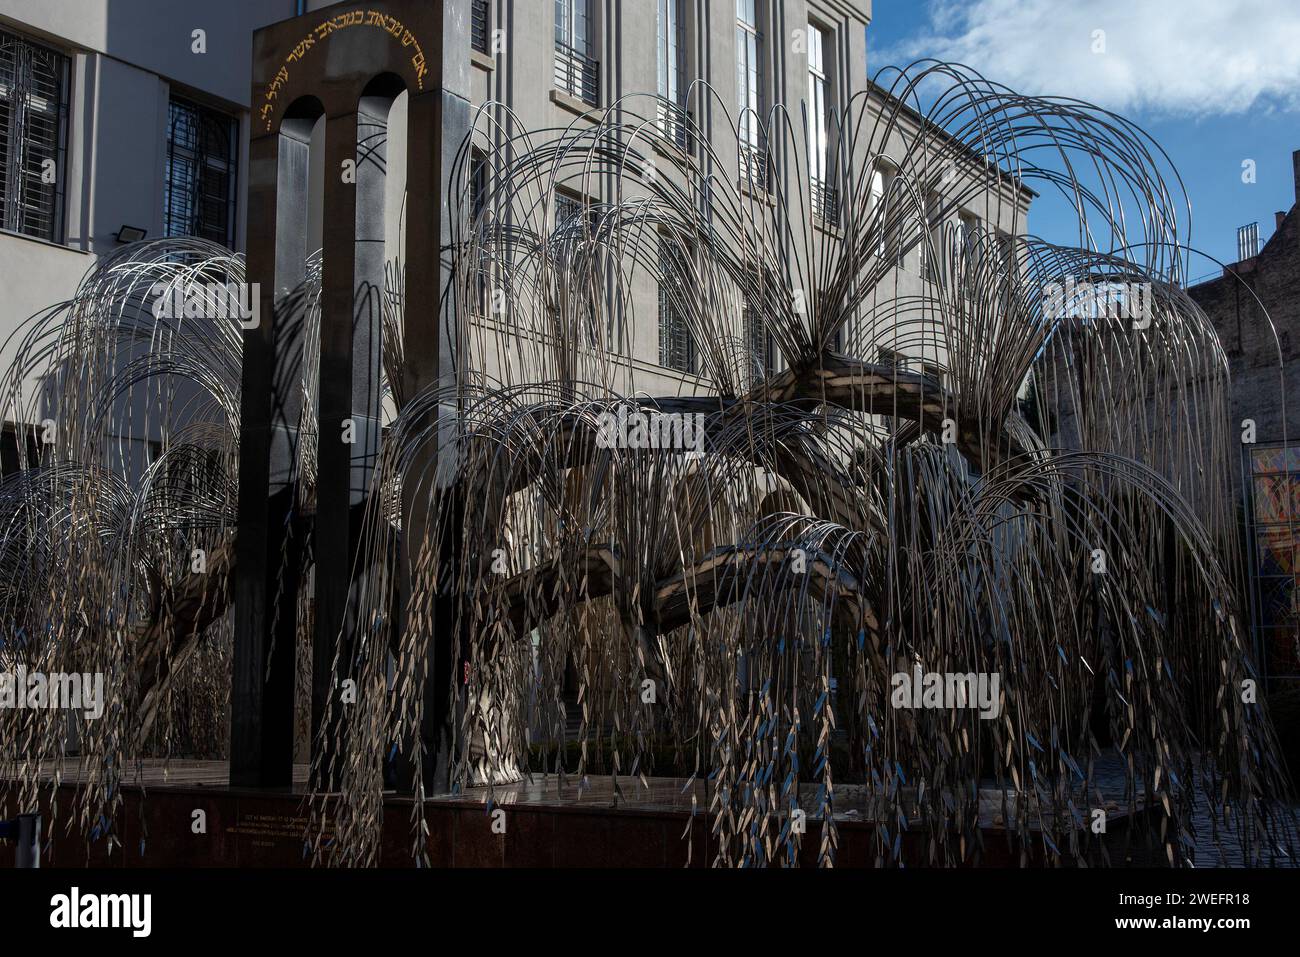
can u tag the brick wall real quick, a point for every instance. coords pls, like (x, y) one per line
(1233, 303)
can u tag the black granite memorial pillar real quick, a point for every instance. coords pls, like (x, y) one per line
(262, 692)
(350, 61)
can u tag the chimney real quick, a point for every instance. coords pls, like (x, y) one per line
(1277, 219)
(1295, 166)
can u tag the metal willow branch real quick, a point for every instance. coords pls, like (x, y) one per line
(839, 522)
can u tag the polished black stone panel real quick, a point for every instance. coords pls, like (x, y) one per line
(346, 65)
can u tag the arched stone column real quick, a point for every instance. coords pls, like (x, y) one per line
(347, 63)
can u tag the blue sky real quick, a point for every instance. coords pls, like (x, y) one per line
(1214, 82)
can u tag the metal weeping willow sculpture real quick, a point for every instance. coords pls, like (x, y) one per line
(747, 569)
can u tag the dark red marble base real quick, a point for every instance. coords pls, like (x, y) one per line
(262, 829)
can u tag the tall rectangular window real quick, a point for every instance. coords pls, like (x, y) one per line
(577, 72)
(671, 71)
(757, 345)
(885, 213)
(878, 206)
(931, 237)
(479, 25)
(676, 346)
(824, 200)
(968, 230)
(33, 127)
(199, 192)
(749, 87)
(478, 183)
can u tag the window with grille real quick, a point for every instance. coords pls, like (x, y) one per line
(478, 173)
(33, 130)
(577, 72)
(479, 25)
(575, 213)
(199, 191)
(478, 180)
(577, 219)
(749, 87)
(676, 346)
(566, 208)
(758, 345)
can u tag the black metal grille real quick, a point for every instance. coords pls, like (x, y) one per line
(566, 208)
(675, 124)
(199, 192)
(758, 346)
(676, 345)
(478, 25)
(33, 124)
(753, 166)
(825, 200)
(577, 74)
(478, 184)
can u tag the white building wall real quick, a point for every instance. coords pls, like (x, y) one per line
(126, 59)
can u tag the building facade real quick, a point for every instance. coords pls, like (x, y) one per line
(117, 122)
(131, 121)
(725, 66)
(1255, 308)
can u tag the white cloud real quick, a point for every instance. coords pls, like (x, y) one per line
(1172, 57)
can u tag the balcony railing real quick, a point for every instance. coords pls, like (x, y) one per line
(577, 74)
(753, 166)
(675, 124)
(825, 200)
(478, 25)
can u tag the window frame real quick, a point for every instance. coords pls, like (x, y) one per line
(819, 103)
(751, 92)
(16, 144)
(672, 70)
(199, 158)
(759, 350)
(480, 37)
(669, 311)
(576, 70)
